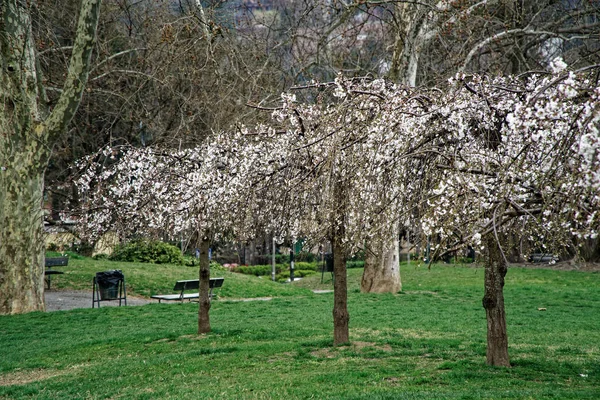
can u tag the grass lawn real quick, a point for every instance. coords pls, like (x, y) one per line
(425, 343)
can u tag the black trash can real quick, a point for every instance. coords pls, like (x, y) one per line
(108, 284)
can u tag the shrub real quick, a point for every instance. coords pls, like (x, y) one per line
(258, 270)
(355, 264)
(148, 252)
(307, 266)
(285, 275)
(301, 273)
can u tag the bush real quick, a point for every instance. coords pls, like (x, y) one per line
(355, 264)
(307, 266)
(258, 270)
(148, 252)
(301, 273)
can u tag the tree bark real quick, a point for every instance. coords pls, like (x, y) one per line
(404, 62)
(204, 299)
(382, 268)
(341, 317)
(27, 133)
(21, 242)
(493, 303)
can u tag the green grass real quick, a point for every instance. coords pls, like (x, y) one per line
(426, 343)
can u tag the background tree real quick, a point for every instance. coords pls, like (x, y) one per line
(30, 126)
(166, 73)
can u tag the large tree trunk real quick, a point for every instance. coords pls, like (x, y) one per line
(204, 299)
(21, 241)
(27, 133)
(493, 302)
(382, 267)
(412, 33)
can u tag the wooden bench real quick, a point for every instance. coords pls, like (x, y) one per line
(191, 284)
(54, 262)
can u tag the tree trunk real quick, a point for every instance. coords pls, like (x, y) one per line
(27, 133)
(382, 268)
(341, 317)
(493, 302)
(204, 299)
(21, 241)
(411, 36)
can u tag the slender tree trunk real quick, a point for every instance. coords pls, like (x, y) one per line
(493, 302)
(341, 317)
(382, 267)
(204, 299)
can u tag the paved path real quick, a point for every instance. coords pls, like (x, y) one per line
(69, 299)
(57, 300)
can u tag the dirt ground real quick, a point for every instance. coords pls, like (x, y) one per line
(57, 300)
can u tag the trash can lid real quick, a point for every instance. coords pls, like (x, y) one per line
(111, 277)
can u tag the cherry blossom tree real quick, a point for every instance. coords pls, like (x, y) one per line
(512, 154)
(152, 191)
(481, 160)
(339, 169)
(486, 157)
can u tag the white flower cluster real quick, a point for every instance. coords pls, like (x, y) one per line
(482, 156)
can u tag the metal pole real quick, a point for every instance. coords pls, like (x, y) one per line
(408, 246)
(273, 261)
(292, 263)
(428, 250)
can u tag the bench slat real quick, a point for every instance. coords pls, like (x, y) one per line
(176, 296)
(187, 285)
(57, 261)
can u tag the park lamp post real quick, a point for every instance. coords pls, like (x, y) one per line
(292, 263)
(273, 261)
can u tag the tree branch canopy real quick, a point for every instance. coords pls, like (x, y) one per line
(78, 71)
